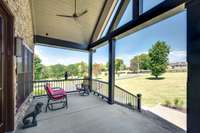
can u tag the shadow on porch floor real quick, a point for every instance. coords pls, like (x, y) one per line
(90, 114)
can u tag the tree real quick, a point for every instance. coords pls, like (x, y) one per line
(57, 71)
(134, 64)
(82, 69)
(72, 69)
(144, 61)
(97, 69)
(45, 72)
(37, 67)
(139, 62)
(158, 55)
(119, 65)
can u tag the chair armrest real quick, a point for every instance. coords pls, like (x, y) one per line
(57, 88)
(59, 92)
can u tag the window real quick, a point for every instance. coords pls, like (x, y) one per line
(148, 4)
(127, 16)
(100, 63)
(137, 77)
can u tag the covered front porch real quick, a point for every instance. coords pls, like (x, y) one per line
(91, 114)
(109, 108)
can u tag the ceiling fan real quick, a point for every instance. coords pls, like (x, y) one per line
(75, 15)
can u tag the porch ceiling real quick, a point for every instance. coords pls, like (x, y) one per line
(67, 29)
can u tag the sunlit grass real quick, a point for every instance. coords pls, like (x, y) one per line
(173, 85)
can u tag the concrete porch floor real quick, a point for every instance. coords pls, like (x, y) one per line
(90, 114)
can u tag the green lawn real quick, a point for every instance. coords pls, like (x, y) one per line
(157, 91)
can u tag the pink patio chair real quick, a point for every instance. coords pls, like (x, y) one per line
(55, 96)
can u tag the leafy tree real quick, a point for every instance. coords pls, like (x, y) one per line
(45, 72)
(82, 69)
(158, 55)
(144, 61)
(140, 62)
(134, 64)
(97, 69)
(37, 67)
(119, 65)
(72, 69)
(57, 71)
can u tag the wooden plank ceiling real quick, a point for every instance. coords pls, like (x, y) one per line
(79, 31)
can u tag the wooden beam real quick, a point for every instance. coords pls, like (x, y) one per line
(102, 19)
(59, 43)
(150, 17)
(98, 20)
(118, 15)
(111, 71)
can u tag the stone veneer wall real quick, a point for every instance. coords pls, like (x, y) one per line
(22, 110)
(23, 27)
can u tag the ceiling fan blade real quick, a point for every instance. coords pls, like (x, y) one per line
(81, 14)
(66, 16)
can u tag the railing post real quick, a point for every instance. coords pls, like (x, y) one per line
(111, 85)
(139, 96)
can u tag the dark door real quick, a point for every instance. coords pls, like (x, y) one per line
(2, 98)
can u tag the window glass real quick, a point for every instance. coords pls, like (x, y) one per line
(138, 75)
(148, 4)
(127, 16)
(100, 63)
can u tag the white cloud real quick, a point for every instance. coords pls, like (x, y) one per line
(177, 56)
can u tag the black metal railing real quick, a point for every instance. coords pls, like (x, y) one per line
(126, 98)
(99, 88)
(68, 85)
(121, 96)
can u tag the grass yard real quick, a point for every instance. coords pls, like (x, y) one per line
(157, 91)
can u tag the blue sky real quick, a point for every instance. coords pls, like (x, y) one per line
(171, 30)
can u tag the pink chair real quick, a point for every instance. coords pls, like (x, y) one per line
(57, 95)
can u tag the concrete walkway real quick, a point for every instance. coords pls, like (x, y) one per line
(90, 114)
(176, 117)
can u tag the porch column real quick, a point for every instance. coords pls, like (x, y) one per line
(111, 71)
(193, 58)
(90, 68)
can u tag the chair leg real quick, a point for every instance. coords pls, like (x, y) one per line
(66, 102)
(47, 104)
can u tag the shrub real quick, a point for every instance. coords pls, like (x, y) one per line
(168, 103)
(178, 103)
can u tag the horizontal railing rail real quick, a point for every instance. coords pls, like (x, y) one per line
(121, 96)
(99, 88)
(68, 85)
(125, 98)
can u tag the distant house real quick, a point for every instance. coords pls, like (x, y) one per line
(178, 65)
